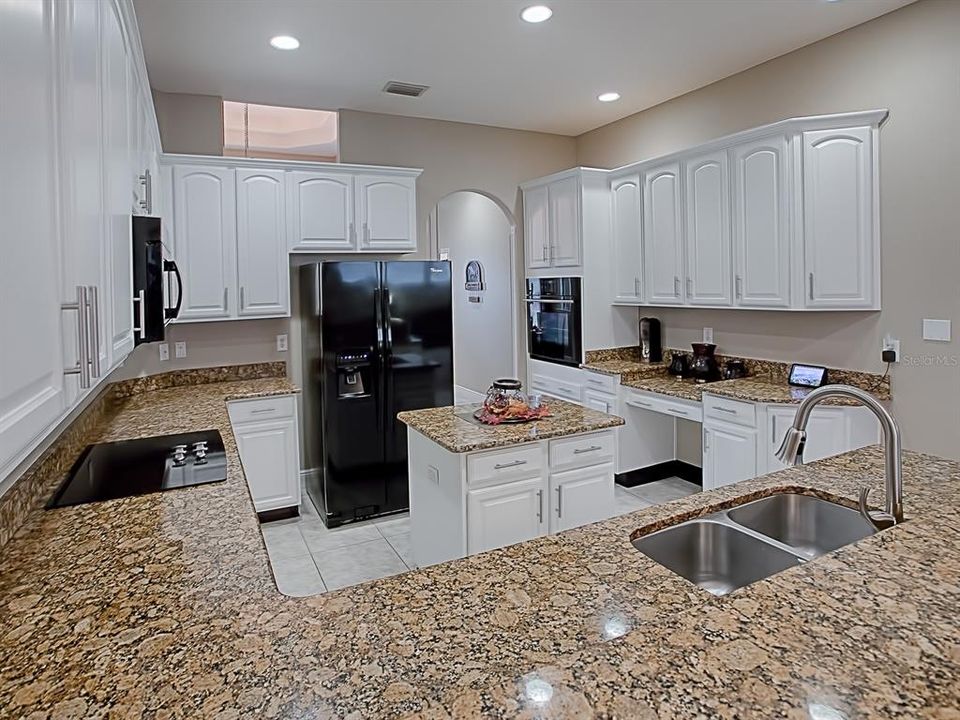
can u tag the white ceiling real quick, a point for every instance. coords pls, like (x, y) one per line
(482, 63)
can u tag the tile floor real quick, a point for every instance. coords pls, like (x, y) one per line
(309, 559)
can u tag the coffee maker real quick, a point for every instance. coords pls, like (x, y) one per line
(651, 348)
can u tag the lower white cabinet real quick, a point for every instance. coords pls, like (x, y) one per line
(553, 380)
(599, 401)
(580, 497)
(830, 431)
(729, 454)
(268, 442)
(505, 514)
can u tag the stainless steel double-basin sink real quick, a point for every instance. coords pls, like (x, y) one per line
(727, 550)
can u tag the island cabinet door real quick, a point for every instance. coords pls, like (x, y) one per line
(580, 497)
(505, 514)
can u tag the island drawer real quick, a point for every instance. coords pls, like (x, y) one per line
(264, 408)
(507, 464)
(582, 450)
(728, 410)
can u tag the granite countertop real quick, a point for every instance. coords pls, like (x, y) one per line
(450, 428)
(163, 605)
(626, 369)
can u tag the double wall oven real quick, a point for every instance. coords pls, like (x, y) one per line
(554, 320)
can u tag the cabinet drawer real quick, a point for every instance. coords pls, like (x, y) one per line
(498, 465)
(599, 382)
(732, 411)
(269, 408)
(582, 450)
(666, 405)
(557, 388)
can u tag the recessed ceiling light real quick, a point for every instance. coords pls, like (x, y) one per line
(608, 96)
(285, 42)
(536, 13)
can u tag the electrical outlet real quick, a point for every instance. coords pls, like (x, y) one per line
(708, 335)
(282, 342)
(891, 343)
(180, 349)
(164, 352)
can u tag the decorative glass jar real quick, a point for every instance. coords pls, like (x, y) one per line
(504, 392)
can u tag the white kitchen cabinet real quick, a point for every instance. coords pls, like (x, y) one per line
(536, 225)
(830, 431)
(707, 205)
(625, 231)
(579, 497)
(268, 442)
(600, 401)
(662, 235)
(729, 454)
(31, 356)
(205, 238)
(840, 238)
(505, 514)
(563, 198)
(387, 212)
(263, 270)
(321, 211)
(554, 380)
(761, 223)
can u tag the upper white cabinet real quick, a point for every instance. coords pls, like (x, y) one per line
(839, 209)
(663, 235)
(553, 223)
(761, 223)
(707, 206)
(321, 213)
(779, 217)
(205, 237)
(387, 213)
(536, 227)
(625, 231)
(263, 273)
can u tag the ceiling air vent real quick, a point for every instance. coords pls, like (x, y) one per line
(406, 89)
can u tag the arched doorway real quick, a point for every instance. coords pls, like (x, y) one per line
(470, 226)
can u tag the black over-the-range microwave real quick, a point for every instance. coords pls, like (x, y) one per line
(153, 277)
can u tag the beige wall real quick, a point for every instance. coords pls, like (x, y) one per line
(909, 62)
(190, 124)
(454, 156)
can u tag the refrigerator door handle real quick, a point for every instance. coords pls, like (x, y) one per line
(378, 318)
(387, 319)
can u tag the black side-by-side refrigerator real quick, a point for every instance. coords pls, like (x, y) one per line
(377, 340)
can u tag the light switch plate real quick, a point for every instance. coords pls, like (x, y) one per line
(937, 330)
(180, 349)
(164, 351)
(282, 342)
(708, 335)
(433, 474)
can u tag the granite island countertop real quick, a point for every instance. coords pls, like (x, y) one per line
(454, 428)
(164, 606)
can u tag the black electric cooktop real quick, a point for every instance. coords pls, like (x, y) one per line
(136, 467)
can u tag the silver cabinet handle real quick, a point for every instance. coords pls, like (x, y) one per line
(351, 234)
(811, 285)
(504, 466)
(592, 448)
(242, 305)
(738, 283)
(597, 382)
(147, 182)
(82, 368)
(93, 315)
(636, 286)
(366, 233)
(729, 411)
(560, 501)
(260, 411)
(689, 287)
(675, 411)
(639, 404)
(676, 286)
(141, 314)
(569, 391)
(540, 505)
(706, 439)
(225, 307)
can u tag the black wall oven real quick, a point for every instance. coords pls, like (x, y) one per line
(153, 277)
(554, 320)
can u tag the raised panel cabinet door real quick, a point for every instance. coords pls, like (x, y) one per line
(263, 272)
(268, 452)
(729, 455)
(662, 235)
(387, 210)
(627, 259)
(536, 227)
(563, 197)
(31, 354)
(321, 211)
(580, 497)
(761, 223)
(840, 250)
(505, 514)
(206, 239)
(117, 301)
(707, 202)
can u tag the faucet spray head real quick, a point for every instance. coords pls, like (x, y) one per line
(791, 449)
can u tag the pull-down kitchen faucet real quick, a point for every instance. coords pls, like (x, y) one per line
(791, 450)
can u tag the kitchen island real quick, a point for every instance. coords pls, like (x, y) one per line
(164, 605)
(476, 487)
